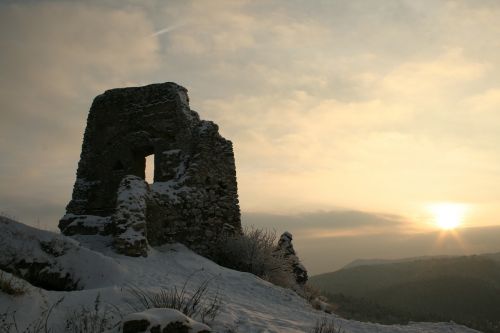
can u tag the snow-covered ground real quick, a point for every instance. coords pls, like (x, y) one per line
(249, 304)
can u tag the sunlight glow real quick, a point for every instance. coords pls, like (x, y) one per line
(448, 216)
(149, 169)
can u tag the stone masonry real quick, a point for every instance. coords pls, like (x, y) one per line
(193, 199)
(285, 246)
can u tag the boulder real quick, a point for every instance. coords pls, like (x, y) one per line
(49, 260)
(161, 320)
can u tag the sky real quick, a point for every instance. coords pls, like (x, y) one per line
(350, 119)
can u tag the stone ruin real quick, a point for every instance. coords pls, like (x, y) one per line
(193, 199)
(285, 246)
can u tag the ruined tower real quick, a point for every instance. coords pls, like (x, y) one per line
(193, 199)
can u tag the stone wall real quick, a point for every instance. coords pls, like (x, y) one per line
(193, 199)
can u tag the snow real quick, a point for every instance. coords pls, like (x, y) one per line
(249, 304)
(130, 214)
(163, 317)
(171, 152)
(24, 242)
(172, 189)
(87, 221)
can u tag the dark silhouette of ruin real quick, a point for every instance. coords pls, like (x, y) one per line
(193, 199)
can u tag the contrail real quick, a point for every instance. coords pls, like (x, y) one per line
(165, 30)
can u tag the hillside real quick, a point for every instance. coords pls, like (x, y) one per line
(248, 303)
(463, 289)
(370, 262)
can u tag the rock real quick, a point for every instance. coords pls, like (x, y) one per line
(161, 320)
(321, 303)
(50, 261)
(194, 189)
(129, 219)
(285, 246)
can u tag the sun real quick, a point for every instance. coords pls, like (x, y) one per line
(448, 216)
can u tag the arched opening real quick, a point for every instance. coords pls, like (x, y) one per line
(150, 169)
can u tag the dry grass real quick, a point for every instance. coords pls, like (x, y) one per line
(9, 324)
(98, 319)
(326, 326)
(201, 303)
(254, 251)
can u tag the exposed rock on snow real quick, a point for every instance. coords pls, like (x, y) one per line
(286, 247)
(194, 195)
(51, 261)
(162, 320)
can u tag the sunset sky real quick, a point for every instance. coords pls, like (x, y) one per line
(351, 120)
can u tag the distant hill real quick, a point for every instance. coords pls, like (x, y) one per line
(463, 289)
(375, 261)
(370, 262)
(492, 256)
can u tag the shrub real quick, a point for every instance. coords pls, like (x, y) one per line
(199, 303)
(94, 320)
(11, 285)
(326, 326)
(8, 322)
(254, 251)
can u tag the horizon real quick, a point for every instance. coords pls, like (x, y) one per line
(367, 129)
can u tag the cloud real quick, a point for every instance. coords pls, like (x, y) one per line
(166, 30)
(370, 106)
(329, 224)
(56, 56)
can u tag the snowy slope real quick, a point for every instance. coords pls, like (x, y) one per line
(249, 303)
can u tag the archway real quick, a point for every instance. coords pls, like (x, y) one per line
(149, 170)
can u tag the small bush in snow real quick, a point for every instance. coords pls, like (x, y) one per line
(94, 320)
(254, 251)
(11, 285)
(200, 303)
(6, 324)
(9, 324)
(326, 326)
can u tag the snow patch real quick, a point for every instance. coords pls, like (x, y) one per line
(164, 317)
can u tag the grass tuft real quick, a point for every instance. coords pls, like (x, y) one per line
(93, 320)
(254, 251)
(200, 303)
(325, 325)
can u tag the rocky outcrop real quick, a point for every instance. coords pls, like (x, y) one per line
(160, 320)
(193, 199)
(51, 261)
(285, 246)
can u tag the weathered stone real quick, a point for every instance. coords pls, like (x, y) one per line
(194, 187)
(135, 326)
(286, 247)
(129, 219)
(47, 260)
